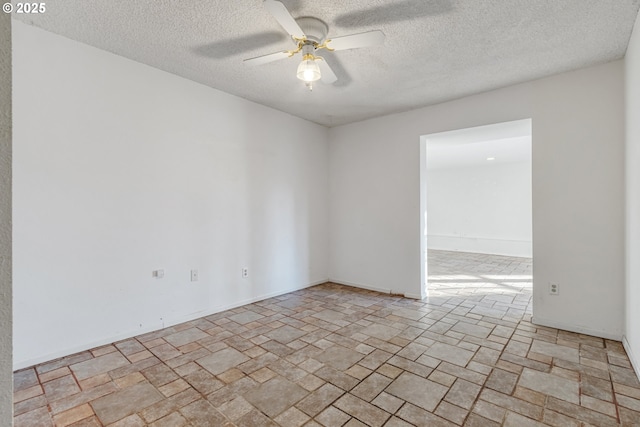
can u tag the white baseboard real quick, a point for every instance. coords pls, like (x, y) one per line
(632, 357)
(374, 288)
(21, 364)
(575, 328)
(361, 286)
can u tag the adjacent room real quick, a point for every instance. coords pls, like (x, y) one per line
(478, 217)
(220, 213)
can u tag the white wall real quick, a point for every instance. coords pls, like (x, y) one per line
(6, 376)
(632, 92)
(578, 201)
(483, 209)
(121, 169)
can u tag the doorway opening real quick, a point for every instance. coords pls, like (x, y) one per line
(476, 227)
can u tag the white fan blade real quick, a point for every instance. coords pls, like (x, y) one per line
(265, 59)
(326, 73)
(370, 38)
(284, 18)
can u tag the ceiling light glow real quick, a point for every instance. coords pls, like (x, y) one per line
(308, 70)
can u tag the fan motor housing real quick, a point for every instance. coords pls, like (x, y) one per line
(315, 29)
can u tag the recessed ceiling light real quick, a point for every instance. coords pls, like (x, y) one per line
(491, 158)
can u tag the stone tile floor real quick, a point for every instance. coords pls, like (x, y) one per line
(332, 355)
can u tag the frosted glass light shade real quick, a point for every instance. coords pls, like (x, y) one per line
(308, 71)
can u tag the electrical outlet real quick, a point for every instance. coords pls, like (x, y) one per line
(245, 272)
(158, 274)
(554, 289)
(194, 275)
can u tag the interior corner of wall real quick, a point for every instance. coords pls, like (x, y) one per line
(635, 363)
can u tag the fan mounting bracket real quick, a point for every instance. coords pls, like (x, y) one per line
(314, 29)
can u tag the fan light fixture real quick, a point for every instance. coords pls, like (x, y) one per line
(308, 70)
(309, 35)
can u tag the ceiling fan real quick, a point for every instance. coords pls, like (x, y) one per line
(310, 35)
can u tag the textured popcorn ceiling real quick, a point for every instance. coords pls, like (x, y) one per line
(435, 50)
